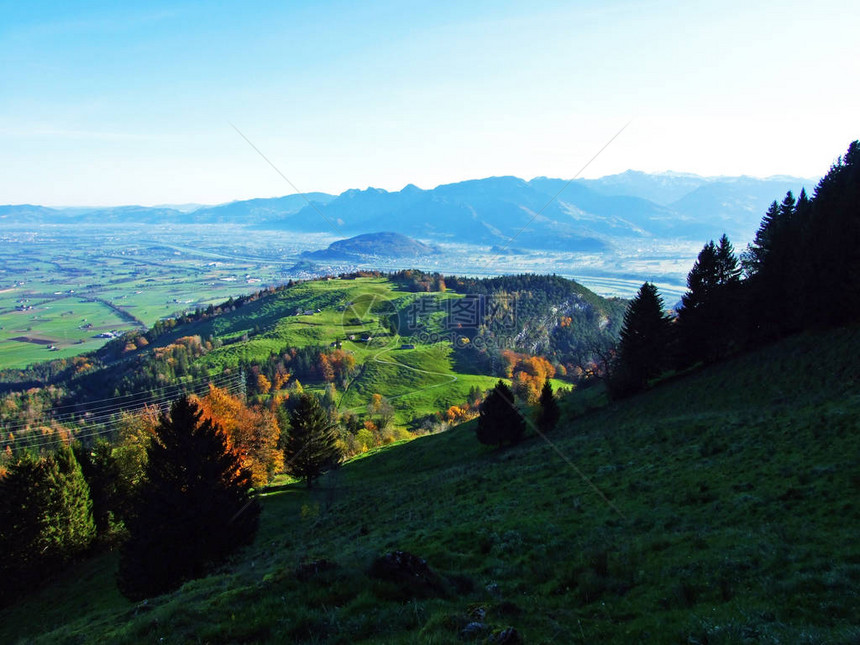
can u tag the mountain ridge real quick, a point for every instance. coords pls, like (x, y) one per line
(581, 215)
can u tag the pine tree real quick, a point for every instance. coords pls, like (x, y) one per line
(833, 252)
(765, 239)
(71, 526)
(45, 520)
(702, 279)
(771, 263)
(728, 269)
(310, 447)
(643, 348)
(549, 412)
(104, 477)
(193, 509)
(499, 420)
(707, 325)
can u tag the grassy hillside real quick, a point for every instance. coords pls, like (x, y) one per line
(421, 362)
(727, 512)
(418, 381)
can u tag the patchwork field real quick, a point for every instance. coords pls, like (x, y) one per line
(67, 287)
(119, 277)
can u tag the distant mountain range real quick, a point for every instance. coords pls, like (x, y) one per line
(545, 214)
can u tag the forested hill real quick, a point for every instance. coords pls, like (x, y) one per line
(382, 245)
(465, 333)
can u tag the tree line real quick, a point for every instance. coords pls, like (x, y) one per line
(176, 491)
(801, 272)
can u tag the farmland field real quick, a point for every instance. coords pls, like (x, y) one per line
(61, 289)
(61, 286)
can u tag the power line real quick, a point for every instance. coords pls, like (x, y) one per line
(230, 381)
(91, 430)
(108, 410)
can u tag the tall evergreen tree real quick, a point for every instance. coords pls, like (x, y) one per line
(707, 325)
(103, 475)
(728, 269)
(549, 411)
(702, 280)
(772, 263)
(193, 509)
(499, 420)
(643, 347)
(71, 525)
(45, 520)
(310, 447)
(833, 232)
(758, 250)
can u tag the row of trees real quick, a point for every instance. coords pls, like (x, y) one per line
(176, 489)
(801, 271)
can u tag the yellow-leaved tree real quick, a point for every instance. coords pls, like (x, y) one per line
(253, 431)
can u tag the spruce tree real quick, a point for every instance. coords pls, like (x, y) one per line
(643, 348)
(728, 269)
(765, 239)
(310, 447)
(193, 508)
(45, 520)
(499, 420)
(771, 263)
(549, 412)
(71, 527)
(104, 477)
(707, 324)
(833, 251)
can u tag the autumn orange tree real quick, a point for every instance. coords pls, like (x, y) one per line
(527, 374)
(253, 431)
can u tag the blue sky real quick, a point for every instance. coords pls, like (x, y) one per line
(116, 103)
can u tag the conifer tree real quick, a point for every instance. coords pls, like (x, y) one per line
(549, 412)
(193, 509)
(104, 477)
(71, 527)
(45, 520)
(772, 263)
(643, 348)
(765, 239)
(499, 420)
(833, 251)
(707, 324)
(728, 269)
(310, 447)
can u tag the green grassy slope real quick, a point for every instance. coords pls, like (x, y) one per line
(727, 512)
(419, 381)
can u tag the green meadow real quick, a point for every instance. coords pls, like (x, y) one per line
(418, 381)
(138, 280)
(720, 507)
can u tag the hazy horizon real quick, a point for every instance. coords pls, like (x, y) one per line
(189, 206)
(117, 105)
